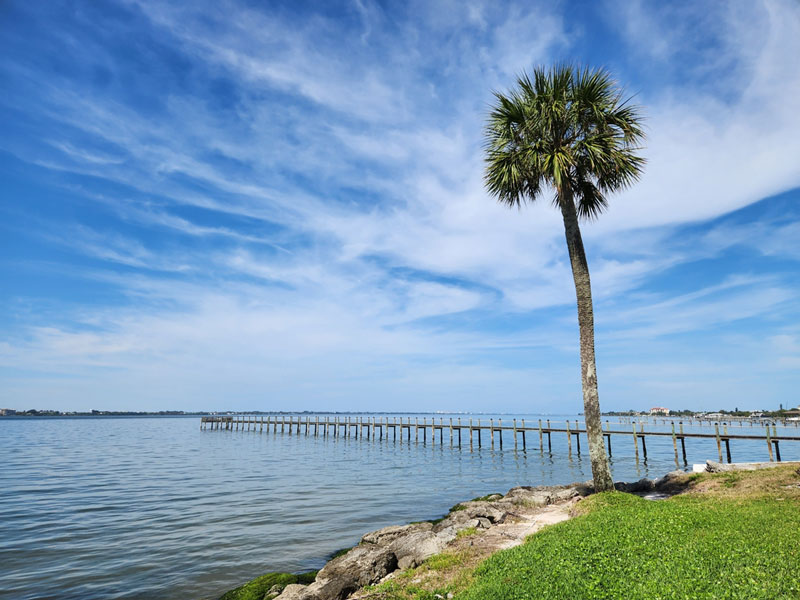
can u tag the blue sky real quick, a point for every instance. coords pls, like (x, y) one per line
(267, 205)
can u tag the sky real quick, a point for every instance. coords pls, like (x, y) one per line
(241, 205)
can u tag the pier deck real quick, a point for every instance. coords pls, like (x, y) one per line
(475, 431)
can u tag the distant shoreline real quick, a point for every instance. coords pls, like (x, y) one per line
(791, 414)
(61, 415)
(179, 413)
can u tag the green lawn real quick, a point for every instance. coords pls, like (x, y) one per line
(624, 547)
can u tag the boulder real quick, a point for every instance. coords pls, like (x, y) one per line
(636, 487)
(387, 535)
(714, 467)
(568, 493)
(535, 497)
(414, 548)
(363, 565)
(275, 590)
(479, 523)
(293, 591)
(495, 512)
(671, 482)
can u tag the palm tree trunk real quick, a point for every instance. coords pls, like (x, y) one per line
(601, 473)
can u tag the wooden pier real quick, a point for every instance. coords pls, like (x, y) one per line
(473, 432)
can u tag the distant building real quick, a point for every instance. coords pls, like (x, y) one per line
(5, 412)
(659, 410)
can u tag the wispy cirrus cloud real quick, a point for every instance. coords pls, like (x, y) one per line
(290, 203)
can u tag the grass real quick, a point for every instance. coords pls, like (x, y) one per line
(441, 562)
(257, 588)
(433, 579)
(729, 480)
(487, 498)
(467, 532)
(732, 535)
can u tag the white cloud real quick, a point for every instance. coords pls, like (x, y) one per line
(711, 154)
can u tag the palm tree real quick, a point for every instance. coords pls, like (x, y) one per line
(567, 130)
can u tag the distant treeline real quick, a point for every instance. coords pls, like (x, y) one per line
(94, 413)
(5, 412)
(781, 413)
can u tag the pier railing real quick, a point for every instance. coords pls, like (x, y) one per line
(475, 430)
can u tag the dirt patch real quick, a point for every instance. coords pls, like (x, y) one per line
(781, 481)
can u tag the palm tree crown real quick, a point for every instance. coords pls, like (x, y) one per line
(568, 129)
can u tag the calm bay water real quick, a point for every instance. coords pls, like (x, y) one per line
(151, 508)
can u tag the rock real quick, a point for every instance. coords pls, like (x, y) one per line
(671, 482)
(479, 523)
(532, 499)
(643, 485)
(544, 495)
(385, 536)
(294, 591)
(363, 565)
(275, 590)
(414, 548)
(566, 494)
(407, 562)
(494, 512)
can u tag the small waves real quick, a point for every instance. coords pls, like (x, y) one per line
(152, 508)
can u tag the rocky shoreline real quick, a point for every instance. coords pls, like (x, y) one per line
(495, 522)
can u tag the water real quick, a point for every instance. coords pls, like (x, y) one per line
(151, 508)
